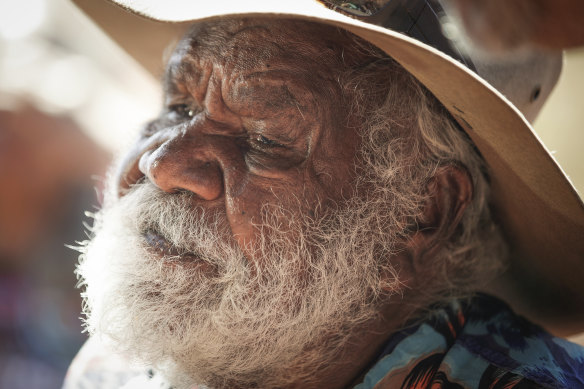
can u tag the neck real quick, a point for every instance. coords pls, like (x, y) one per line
(360, 351)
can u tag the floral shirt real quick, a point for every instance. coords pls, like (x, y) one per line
(480, 344)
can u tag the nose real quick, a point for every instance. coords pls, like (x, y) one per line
(183, 164)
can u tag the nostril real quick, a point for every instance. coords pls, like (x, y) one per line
(181, 165)
(128, 173)
(134, 166)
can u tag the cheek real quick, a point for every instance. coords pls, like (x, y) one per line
(337, 169)
(336, 155)
(336, 180)
(279, 202)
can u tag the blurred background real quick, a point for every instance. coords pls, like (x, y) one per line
(69, 98)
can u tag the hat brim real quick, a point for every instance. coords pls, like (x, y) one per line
(541, 214)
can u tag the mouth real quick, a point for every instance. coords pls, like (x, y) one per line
(159, 245)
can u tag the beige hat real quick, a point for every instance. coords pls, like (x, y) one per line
(541, 213)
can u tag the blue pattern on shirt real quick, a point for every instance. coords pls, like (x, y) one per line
(479, 344)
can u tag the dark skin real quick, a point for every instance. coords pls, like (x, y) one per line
(240, 133)
(253, 116)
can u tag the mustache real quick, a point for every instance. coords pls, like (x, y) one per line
(175, 226)
(305, 278)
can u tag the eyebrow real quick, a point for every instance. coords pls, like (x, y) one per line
(176, 73)
(179, 72)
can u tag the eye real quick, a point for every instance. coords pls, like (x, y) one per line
(267, 142)
(182, 110)
(150, 128)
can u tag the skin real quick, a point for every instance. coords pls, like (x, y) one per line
(258, 117)
(257, 133)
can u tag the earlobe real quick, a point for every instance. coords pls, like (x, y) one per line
(448, 194)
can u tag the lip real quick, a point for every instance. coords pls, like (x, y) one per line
(162, 247)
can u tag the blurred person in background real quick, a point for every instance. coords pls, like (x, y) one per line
(47, 178)
(502, 25)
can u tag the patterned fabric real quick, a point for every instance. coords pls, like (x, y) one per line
(477, 344)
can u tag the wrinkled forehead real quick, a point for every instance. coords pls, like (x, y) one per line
(246, 43)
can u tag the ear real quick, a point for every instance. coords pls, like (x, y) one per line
(448, 194)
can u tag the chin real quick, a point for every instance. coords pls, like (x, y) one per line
(191, 305)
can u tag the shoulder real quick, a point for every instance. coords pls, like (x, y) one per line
(479, 343)
(507, 343)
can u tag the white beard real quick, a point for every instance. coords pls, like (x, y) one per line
(263, 323)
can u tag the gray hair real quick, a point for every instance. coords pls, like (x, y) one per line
(408, 136)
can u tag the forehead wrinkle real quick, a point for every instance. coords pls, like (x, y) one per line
(309, 51)
(319, 43)
(210, 45)
(260, 39)
(262, 80)
(215, 41)
(248, 43)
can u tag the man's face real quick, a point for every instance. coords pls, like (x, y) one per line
(251, 121)
(236, 249)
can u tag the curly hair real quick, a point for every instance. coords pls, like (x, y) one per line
(407, 137)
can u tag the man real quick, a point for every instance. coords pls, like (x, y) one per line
(306, 213)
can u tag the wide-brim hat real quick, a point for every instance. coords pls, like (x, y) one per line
(540, 212)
